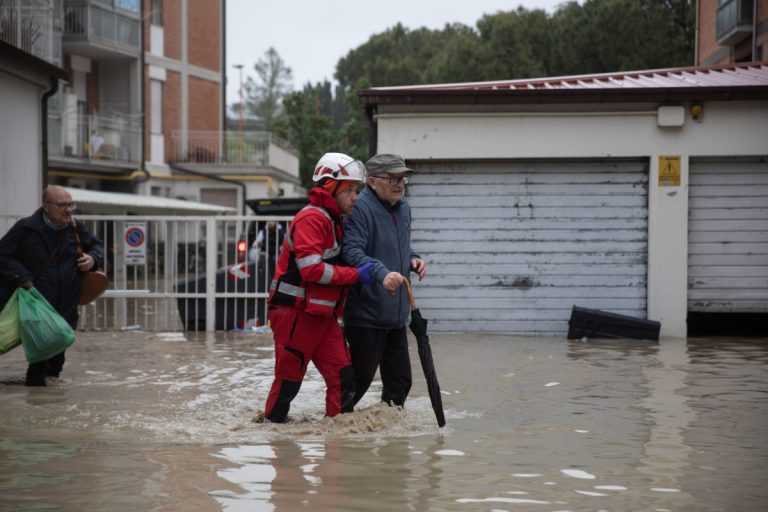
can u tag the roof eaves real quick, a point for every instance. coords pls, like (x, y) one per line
(371, 97)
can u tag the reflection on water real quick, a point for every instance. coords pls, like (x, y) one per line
(144, 421)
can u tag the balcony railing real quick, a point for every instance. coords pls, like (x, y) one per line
(231, 148)
(115, 138)
(27, 27)
(734, 21)
(95, 23)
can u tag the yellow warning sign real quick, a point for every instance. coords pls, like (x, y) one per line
(669, 171)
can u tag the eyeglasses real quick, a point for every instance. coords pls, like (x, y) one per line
(395, 180)
(63, 206)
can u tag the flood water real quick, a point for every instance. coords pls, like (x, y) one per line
(162, 422)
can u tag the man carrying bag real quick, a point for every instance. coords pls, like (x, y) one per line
(42, 251)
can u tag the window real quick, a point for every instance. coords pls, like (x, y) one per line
(128, 5)
(157, 12)
(156, 97)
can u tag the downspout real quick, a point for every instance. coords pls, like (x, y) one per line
(373, 132)
(44, 139)
(224, 69)
(754, 30)
(696, 35)
(142, 106)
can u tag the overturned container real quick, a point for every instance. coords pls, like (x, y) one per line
(593, 323)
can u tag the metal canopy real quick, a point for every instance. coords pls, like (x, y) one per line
(98, 202)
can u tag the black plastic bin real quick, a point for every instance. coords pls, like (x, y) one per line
(231, 313)
(593, 323)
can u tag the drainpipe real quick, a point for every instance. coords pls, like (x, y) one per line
(373, 133)
(696, 36)
(44, 142)
(142, 106)
(223, 61)
(754, 30)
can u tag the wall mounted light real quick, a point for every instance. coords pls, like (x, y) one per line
(697, 111)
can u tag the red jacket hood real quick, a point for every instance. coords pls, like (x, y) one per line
(323, 199)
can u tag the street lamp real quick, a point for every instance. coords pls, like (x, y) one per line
(242, 107)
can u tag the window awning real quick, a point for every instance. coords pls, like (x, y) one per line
(117, 203)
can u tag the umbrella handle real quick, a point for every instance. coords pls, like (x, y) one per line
(410, 294)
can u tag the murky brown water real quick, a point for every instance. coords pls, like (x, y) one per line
(146, 422)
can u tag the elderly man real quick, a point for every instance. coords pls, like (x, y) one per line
(41, 251)
(379, 232)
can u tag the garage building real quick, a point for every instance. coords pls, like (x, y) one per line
(642, 193)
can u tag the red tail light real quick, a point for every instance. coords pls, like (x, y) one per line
(242, 247)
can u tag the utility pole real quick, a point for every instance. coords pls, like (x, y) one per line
(242, 113)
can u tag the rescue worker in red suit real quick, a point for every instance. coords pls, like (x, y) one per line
(308, 291)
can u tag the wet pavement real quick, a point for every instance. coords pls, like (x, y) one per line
(162, 422)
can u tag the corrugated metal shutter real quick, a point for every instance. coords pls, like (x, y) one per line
(728, 237)
(512, 247)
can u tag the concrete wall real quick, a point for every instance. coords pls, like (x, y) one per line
(21, 176)
(725, 129)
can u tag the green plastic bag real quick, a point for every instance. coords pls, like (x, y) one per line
(44, 333)
(9, 324)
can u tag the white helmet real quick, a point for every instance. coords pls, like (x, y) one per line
(338, 166)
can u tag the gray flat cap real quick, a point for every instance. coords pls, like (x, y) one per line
(386, 163)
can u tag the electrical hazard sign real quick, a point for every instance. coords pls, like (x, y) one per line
(135, 243)
(669, 171)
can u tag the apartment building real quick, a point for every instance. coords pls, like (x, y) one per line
(143, 108)
(730, 31)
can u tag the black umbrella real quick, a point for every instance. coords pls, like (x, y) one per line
(419, 328)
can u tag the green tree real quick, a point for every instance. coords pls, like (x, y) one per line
(517, 44)
(308, 126)
(595, 36)
(263, 95)
(601, 36)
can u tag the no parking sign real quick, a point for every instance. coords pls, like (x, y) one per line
(135, 243)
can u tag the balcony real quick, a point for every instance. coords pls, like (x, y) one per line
(101, 140)
(101, 32)
(29, 27)
(734, 21)
(234, 149)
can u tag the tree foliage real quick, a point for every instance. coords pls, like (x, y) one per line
(592, 36)
(315, 122)
(263, 95)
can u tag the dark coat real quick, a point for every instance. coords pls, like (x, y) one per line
(24, 253)
(379, 233)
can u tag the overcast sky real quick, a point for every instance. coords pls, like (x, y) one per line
(312, 35)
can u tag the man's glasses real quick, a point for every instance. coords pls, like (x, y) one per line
(394, 180)
(63, 206)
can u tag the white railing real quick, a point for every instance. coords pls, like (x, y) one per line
(187, 276)
(93, 22)
(29, 28)
(99, 137)
(231, 148)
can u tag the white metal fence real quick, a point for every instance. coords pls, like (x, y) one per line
(180, 273)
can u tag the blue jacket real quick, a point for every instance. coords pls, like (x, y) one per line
(24, 256)
(378, 232)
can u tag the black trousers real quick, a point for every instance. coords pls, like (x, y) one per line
(36, 372)
(386, 349)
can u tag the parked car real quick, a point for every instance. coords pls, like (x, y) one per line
(247, 275)
(275, 206)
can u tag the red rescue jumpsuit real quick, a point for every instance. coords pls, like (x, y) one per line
(306, 298)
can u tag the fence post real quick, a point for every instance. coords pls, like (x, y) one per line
(211, 244)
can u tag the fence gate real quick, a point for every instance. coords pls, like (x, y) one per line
(181, 273)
